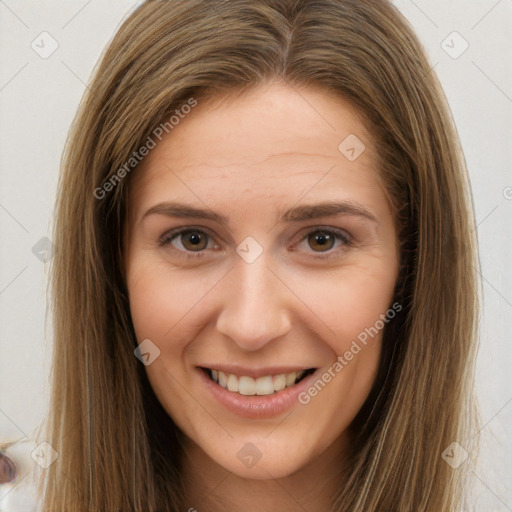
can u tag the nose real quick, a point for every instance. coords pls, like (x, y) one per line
(256, 305)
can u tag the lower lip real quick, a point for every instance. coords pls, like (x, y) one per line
(257, 407)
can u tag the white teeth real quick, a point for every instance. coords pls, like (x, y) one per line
(290, 378)
(249, 386)
(264, 385)
(280, 382)
(246, 386)
(232, 383)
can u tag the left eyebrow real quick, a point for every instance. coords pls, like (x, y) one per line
(325, 209)
(295, 214)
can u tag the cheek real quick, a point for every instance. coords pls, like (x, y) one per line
(351, 302)
(160, 298)
(159, 301)
(356, 304)
(348, 300)
(148, 298)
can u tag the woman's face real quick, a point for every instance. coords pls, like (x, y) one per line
(260, 248)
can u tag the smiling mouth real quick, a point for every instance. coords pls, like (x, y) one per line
(249, 386)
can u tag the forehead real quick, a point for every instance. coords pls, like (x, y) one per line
(270, 137)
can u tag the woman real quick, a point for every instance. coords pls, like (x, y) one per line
(265, 294)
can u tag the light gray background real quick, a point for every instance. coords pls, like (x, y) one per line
(38, 99)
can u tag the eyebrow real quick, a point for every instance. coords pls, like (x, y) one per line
(295, 214)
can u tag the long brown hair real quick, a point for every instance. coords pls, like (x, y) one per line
(118, 449)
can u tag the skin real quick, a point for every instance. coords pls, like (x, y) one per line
(250, 158)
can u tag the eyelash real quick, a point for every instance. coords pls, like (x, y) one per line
(345, 238)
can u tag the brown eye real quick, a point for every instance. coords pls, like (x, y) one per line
(188, 242)
(194, 240)
(321, 240)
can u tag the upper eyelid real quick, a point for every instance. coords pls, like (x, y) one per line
(171, 234)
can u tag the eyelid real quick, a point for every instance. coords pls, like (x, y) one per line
(345, 236)
(342, 233)
(168, 236)
(347, 239)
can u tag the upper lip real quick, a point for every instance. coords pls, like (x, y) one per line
(255, 372)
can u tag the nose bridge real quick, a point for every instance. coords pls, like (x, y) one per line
(254, 309)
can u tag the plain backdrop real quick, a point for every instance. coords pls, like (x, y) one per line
(48, 51)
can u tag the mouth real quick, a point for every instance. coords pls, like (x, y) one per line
(246, 385)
